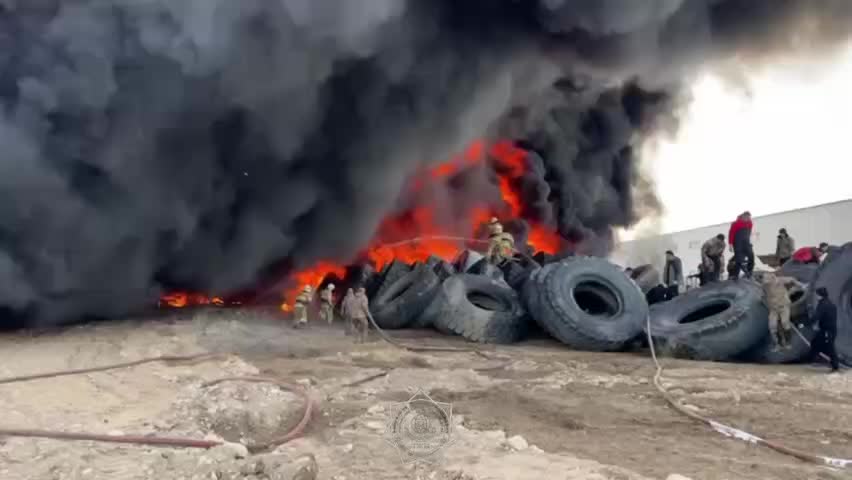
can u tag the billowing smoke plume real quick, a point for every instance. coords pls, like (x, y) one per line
(149, 143)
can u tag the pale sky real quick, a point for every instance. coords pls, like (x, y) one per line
(784, 144)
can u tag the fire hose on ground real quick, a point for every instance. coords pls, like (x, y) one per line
(732, 432)
(309, 403)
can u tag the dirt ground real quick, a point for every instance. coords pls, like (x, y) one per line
(583, 415)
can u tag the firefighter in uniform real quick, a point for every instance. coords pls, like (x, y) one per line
(327, 303)
(501, 245)
(300, 309)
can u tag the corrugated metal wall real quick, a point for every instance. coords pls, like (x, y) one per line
(830, 223)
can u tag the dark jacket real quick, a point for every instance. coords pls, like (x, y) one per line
(739, 234)
(826, 317)
(674, 272)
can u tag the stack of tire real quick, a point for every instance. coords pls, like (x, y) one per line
(729, 320)
(587, 303)
(468, 297)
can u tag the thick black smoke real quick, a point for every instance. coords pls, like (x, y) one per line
(154, 143)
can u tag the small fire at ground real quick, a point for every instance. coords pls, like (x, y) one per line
(187, 299)
(417, 233)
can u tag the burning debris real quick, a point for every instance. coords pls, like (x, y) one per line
(219, 146)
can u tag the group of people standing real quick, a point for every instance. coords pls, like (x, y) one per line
(355, 309)
(739, 242)
(776, 288)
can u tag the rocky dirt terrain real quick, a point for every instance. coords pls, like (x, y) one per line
(529, 411)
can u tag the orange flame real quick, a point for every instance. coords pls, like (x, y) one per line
(188, 299)
(312, 276)
(416, 234)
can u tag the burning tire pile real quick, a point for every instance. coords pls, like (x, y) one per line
(585, 302)
(588, 303)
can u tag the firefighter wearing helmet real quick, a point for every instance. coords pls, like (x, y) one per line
(300, 309)
(501, 245)
(327, 304)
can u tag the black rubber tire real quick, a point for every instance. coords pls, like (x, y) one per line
(646, 277)
(495, 315)
(432, 261)
(389, 275)
(716, 337)
(602, 285)
(531, 291)
(543, 258)
(803, 272)
(763, 353)
(835, 274)
(466, 259)
(486, 268)
(444, 270)
(516, 275)
(404, 301)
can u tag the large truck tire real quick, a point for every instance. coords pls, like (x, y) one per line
(835, 274)
(763, 352)
(803, 272)
(403, 301)
(716, 322)
(646, 277)
(479, 309)
(587, 303)
(486, 268)
(466, 259)
(388, 276)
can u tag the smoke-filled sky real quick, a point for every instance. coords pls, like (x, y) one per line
(776, 141)
(148, 144)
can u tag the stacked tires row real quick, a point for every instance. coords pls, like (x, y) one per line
(590, 304)
(586, 303)
(469, 297)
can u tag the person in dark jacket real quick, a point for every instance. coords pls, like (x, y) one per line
(825, 317)
(739, 239)
(673, 274)
(784, 247)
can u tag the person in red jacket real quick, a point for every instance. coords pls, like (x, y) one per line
(810, 254)
(739, 242)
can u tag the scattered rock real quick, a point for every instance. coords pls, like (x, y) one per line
(675, 476)
(498, 435)
(240, 450)
(374, 425)
(517, 443)
(348, 447)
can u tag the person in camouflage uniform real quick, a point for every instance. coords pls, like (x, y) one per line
(327, 303)
(501, 245)
(300, 309)
(712, 258)
(776, 296)
(359, 309)
(346, 307)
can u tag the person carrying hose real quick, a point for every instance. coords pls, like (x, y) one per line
(501, 245)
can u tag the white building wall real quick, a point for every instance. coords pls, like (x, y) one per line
(830, 223)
